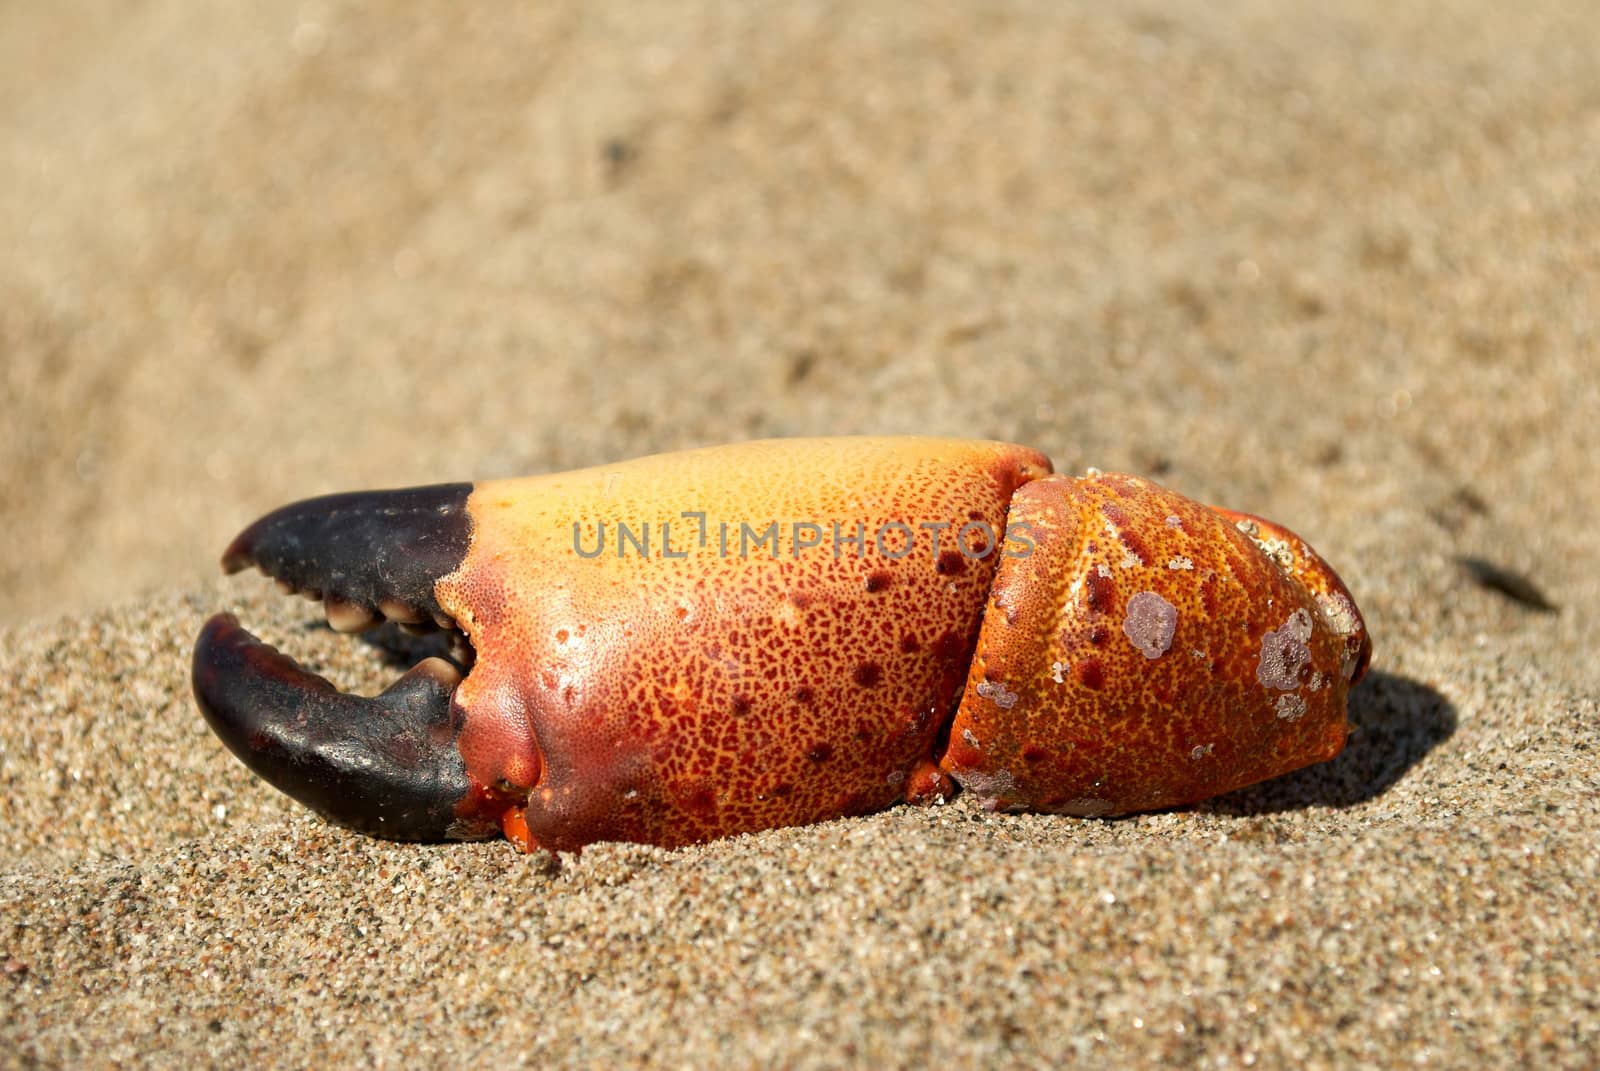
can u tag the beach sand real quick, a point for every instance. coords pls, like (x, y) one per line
(1335, 267)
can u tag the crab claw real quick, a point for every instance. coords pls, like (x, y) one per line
(386, 766)
(1122, 648)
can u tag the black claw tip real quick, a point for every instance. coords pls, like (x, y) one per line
(387, 766)
(364, 548)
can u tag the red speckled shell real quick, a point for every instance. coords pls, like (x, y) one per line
(670, 700)
(1151, 652)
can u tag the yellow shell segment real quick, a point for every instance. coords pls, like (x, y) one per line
(695, 644)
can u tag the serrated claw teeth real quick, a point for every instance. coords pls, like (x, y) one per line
(402, 613)
(439, 670)
(349, 616)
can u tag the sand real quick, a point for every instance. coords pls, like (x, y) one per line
(1336, 265)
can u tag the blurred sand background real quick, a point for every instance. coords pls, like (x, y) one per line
(1338, 265)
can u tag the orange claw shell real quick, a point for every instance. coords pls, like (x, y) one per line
(693, 645)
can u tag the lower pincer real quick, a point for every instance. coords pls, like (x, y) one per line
(386, 766)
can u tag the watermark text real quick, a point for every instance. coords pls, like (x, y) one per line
(894, 540)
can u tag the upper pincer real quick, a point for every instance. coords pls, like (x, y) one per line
(367, 554)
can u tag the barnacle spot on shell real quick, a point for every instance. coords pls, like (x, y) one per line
(989, 788)
(1284, 653)
(1005, 600)
(1181, 562)
(1201, 751)
(1299, 625)
(1174, 521)
(1291, 707)
(1277, 549)
(996, 691)
(1150, 623)
(968, 738)
(1056, 671)
(1340, 612)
